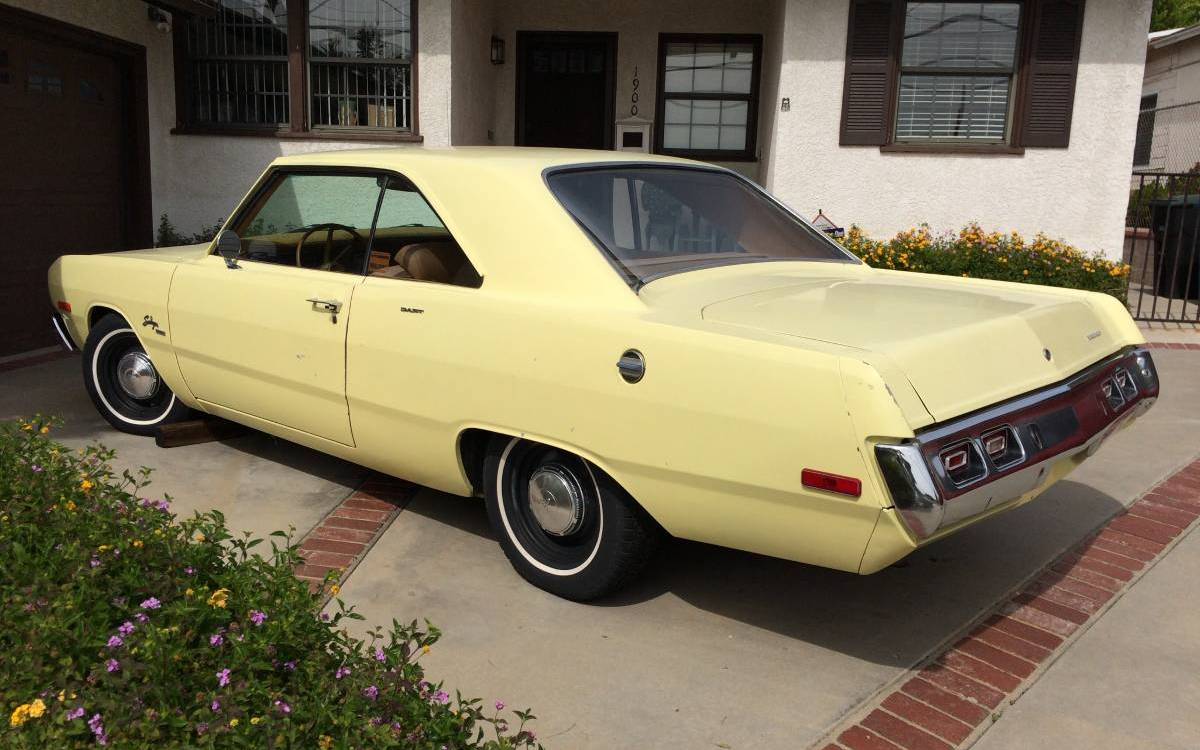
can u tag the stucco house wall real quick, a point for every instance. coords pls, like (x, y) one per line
(1078, 193)
(1173, 73)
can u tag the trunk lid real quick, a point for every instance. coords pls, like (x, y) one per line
(962, 346)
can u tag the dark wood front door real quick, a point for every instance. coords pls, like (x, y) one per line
(70, 172)
(565, 88)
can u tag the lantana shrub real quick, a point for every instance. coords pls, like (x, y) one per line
(127, 627)
(972, 252)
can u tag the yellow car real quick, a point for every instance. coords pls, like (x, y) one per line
(608, 348)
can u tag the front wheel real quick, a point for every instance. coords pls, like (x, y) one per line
(565, 526)
(123, 383)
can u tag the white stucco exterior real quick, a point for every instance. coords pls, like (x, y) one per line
(1078, 193)
(1173, 75)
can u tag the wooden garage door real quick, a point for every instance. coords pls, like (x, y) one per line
(65, 186)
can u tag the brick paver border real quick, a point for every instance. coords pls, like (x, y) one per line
(344, 536)
(1172, 345)
(946, 702)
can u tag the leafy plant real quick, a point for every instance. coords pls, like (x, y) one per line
(125, 626)
(168, 236)
(975, 253)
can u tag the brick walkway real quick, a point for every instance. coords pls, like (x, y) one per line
(344, 536)
(947, 702)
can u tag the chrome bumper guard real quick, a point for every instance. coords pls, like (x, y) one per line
(1067, 420)
(60, 329)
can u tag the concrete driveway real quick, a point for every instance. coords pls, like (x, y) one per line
(712, 648)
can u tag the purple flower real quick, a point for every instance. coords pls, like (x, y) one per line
(96, 724)
(442, 697)
(379, 655)
(163, 505)
(202, 727)
(324, 617)
(190, 570)
(289, 666)
(151, 603)
(115, 642)
(283, 707)
(141, 617)
(371, 692)
(112, 665)
(257, 617)
(216, 640)
(126, 629)
(499, 705)
(341, 672)
(223, 677)
(75, 713)
(37, 469)
(215, 706)
(94, 562)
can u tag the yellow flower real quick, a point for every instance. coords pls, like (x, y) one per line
(1026, 272)
(20, 715)
(425, 649)
(62, 695)
(71, 505)
(234, 722)
(325, 742)
(104, 548)
(335, 589)
(219, 598)
(26, 426)
(199, 537)
(37, 708)
(137, 544)
(44, 430)
(255, 720)
(189, 592)
(87, 485)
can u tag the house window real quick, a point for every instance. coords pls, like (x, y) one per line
(244, 70)
(1145, 131)
(708, 103)
(956, 71)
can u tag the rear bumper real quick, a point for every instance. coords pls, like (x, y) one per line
(1054, 429)
(62, 332)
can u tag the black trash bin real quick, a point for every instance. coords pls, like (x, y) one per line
(1176, 225)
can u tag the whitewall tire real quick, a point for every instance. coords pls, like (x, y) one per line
(563, 524)
(123, 383)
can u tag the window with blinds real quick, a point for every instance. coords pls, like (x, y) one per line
(957, 63)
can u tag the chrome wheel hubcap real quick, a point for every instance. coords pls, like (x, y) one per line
(556, 500)
(136, 376)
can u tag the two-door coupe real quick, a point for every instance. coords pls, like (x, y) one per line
(608, 348)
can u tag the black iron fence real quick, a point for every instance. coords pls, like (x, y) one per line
(1162, 246)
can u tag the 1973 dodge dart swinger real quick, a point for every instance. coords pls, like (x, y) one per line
(607, 349)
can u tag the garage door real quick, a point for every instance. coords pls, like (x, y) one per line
(66, 181)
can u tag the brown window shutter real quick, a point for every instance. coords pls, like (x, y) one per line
(1050, 72)
(870, 78)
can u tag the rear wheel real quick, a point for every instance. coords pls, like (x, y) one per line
(123, 383)
(564, 525)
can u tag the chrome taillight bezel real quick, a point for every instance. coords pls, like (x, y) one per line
(977, 465)
(1014, 452)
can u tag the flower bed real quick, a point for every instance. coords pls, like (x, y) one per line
(975, 253)
(124, 626)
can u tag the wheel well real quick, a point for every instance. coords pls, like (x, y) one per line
(98, 312)
(472, 450)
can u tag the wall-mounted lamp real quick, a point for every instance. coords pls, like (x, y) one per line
(161, 20)
(497, 51)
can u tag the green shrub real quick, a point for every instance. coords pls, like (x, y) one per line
(124, 626)
(992, 255)
(168, 236)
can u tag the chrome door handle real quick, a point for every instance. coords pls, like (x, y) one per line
(331, 306)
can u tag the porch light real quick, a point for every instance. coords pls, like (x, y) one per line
(497, 51)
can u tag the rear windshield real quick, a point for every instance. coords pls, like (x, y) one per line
(655, 221)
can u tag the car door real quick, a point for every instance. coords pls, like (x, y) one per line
(267, 338)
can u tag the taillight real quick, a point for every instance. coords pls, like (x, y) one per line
(820, 480)
(1003, 447)
(64, 306)
(963, 463)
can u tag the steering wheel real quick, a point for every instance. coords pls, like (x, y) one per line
(330, 228)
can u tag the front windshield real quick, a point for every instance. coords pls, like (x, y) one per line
(655, 221)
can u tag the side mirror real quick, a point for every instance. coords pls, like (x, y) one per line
(229, 247)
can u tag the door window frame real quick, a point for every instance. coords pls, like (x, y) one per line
(259, 192)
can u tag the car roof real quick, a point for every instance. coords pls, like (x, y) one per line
(525, 158)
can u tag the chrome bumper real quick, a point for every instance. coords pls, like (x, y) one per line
(1065, 421)
(60, 329)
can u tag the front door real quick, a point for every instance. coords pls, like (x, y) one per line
(268, 338)
(565, 85)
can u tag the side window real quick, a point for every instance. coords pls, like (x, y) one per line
(318, 221)
(412, 243)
